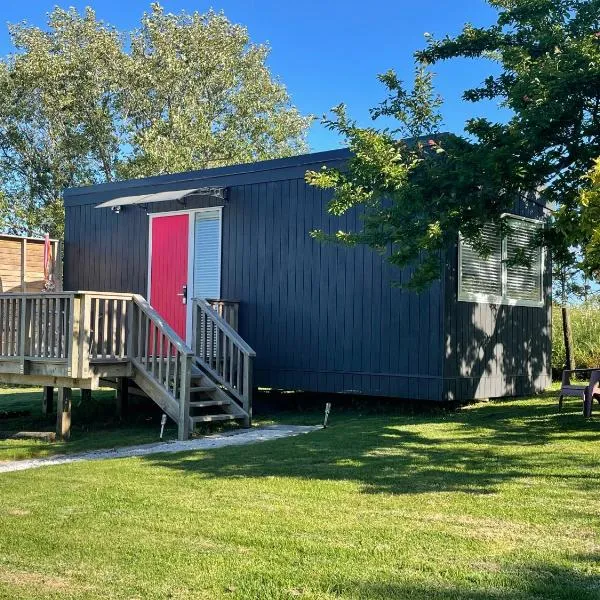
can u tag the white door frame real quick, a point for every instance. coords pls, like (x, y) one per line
(190, 259)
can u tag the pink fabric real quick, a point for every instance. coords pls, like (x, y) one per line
(47, 256)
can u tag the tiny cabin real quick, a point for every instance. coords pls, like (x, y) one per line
(208, 284)
(320, 317)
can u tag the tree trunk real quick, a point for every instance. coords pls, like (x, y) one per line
(568, 338)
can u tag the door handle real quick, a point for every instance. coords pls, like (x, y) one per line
(184, 294)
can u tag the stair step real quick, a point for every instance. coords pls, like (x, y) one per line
(207, 403)
(202, 388)
(211, 418)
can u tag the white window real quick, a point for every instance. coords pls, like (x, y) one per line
(207, 254)
(492, 278)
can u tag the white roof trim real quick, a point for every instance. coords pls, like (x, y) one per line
(218, 192)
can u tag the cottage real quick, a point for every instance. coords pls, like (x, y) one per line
(217, 268)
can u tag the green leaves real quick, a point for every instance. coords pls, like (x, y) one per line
(416, 197)
(82, 103)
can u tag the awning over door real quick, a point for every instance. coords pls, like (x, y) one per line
(167, 196)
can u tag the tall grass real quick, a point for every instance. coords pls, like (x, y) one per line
(585, 323)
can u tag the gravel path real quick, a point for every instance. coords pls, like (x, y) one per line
(234, 438)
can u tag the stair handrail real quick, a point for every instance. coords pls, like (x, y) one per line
(146, 307)
(221, 352)
(144, 355)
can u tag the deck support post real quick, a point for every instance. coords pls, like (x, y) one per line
(63, 413)
(183, 426)
(122, 397)
(47, 400)
(86, 395)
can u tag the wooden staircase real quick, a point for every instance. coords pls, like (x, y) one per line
(86, 339)
(209, 403)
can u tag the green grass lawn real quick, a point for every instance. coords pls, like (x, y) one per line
(498, 500)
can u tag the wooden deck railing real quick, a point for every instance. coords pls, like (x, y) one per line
(38, 327)
(221, 352)
(108, 325)
(228, 310)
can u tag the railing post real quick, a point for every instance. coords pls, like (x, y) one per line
(132, 326)
(84, 335)
(195, 326)
(248, 368)
(74, 340)
(183, 429)
(23, 333)
(235, 319)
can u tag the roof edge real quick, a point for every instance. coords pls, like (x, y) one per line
(216, 172)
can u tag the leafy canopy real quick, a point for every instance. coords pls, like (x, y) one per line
(418, 194)
(83, 103)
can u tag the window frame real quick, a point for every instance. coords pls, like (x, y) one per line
(503, 299)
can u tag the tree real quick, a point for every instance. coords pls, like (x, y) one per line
(57, 116)
(590, 202)
(200, 95)
(417, 196)
(82, 103)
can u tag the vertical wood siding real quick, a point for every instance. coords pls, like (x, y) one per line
(320, 317)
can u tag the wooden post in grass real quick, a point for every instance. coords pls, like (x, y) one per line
(47, 400)
(63, 413)
(122, 397)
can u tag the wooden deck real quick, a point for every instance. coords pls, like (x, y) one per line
(78, 339)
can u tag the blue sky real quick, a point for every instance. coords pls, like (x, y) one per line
(325, 52)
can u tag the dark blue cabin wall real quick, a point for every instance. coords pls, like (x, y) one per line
(104, 251)
(324, 317)
(496, 350)
(321, 317)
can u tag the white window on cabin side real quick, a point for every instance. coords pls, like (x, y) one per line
(492, 278)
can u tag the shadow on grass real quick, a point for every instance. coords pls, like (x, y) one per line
(472, 450)
(520, 580)
(94, 424)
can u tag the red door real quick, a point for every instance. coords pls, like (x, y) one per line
(169, 269)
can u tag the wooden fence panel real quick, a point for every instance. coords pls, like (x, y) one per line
(22, 264)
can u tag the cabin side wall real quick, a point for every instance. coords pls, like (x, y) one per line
(320, 317)
(495, 350)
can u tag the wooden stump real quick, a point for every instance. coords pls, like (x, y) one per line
(47, 400)
(63, 413)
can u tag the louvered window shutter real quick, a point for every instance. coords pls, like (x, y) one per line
(481, 276)
(523, 282)
(493, 278)
(207, 254)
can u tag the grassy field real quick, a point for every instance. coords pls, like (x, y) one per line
(498, 500)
